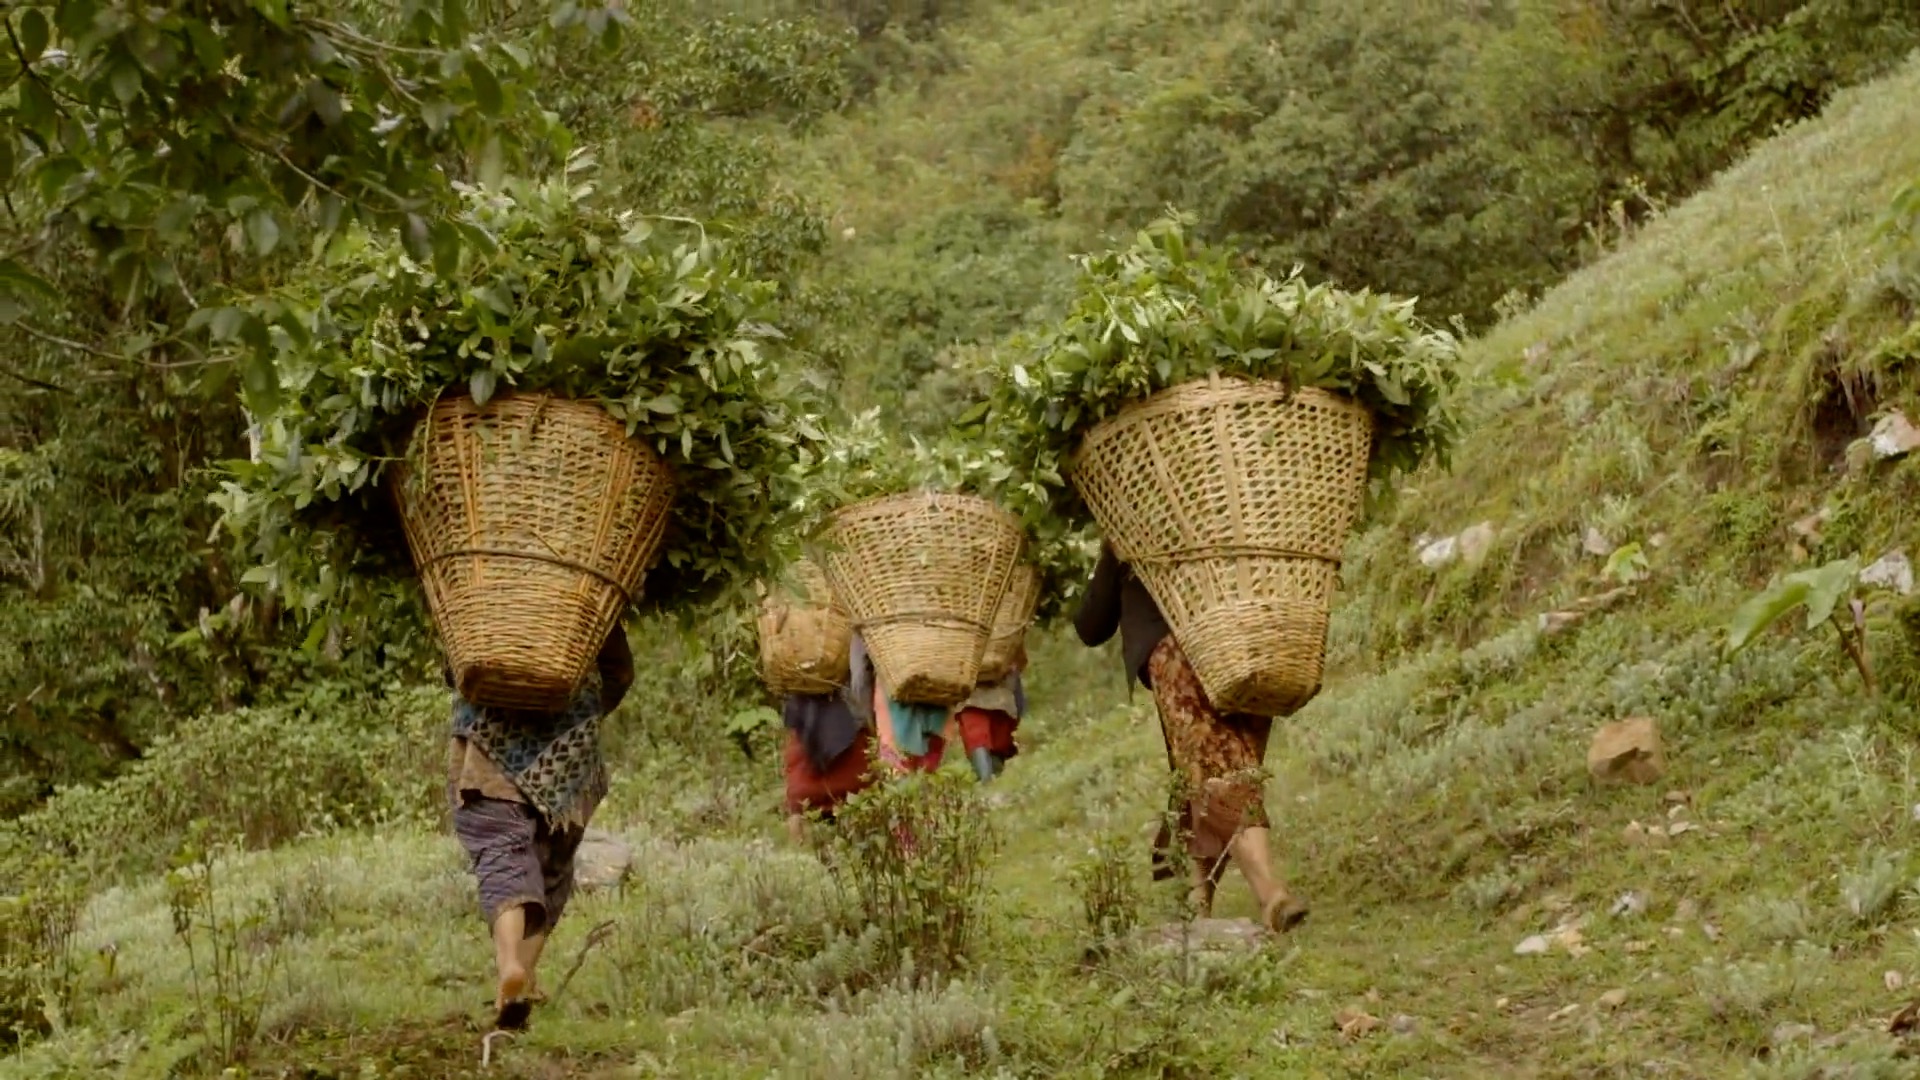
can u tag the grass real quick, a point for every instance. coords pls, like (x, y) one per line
(1433, 803)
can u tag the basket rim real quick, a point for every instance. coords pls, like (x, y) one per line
(1218, 389)
(1228, 387)
(880, 504)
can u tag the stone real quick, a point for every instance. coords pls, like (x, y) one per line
(1894, 436)
(1402, 1024)
(602, 860)
(1355, 1023)
(1890, 571)
(1439, 553)
(1570, 939)
(1786, 1034)
(1559, 622)
(1627, 752)
(1206, 935)
(1809, 527)
(1475, 543)
(1612, 999)
(1537, 945)
(1594, 543)
(1630, 904)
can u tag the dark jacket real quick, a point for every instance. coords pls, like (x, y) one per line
(825, 726)
(1116, 600)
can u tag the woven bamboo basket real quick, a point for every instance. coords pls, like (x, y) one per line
(1010, 622)
(922, 575)
(1233, 500)
(804, 638)
(532, 520)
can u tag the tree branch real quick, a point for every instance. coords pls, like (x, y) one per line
(8, 371)
(69, 343)
(125, 358)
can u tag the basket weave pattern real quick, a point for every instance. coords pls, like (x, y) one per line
(922, 575)
(804, 639)
(532, 520)
(1232, 500)
(1010, 623)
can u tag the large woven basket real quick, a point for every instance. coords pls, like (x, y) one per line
(1233, 500)
(1010, 623)
(532, 520)
(922, 575)
(804, 638)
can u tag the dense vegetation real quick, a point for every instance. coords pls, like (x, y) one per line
(909, 177)
(1457, 157)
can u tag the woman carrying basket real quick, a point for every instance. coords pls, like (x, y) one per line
(832, 741)
(828, 753)
(1216, 759)
(986, 721)
(909, 735)
(523, 786)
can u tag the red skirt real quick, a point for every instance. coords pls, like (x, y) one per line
(989, 730)
(810, 790)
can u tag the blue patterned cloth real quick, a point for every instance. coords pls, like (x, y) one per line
(552, 758)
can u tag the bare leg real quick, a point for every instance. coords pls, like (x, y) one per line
(1200, 892)
(797, 828)
(1279, 908)
(509, 939)
(530, 948)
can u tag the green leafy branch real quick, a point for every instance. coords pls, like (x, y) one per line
(1819, 590)
(557, 293)
(1167, 310)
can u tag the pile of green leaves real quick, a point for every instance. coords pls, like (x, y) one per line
(1166, 311)
(552, 292)
(861, 458)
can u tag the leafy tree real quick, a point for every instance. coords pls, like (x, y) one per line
(159, 162)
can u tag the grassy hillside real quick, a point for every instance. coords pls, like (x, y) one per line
(1696, 393)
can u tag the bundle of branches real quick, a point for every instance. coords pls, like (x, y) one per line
(555, 292)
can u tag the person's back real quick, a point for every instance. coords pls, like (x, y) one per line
(523, 786)
(1217, 760)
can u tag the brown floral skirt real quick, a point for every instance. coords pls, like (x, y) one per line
(1217, 762)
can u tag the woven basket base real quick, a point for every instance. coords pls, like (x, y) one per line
(532, 521)
(547, 603)
(804, 650)
(921, 662)
(1258, 658)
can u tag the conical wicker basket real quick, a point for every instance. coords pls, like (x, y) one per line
(532, 520)
(1233, 500)
(804, 638)
(922, 574)
(1010, 623)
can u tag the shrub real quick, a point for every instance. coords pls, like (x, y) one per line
(913, 854)
(265, 774)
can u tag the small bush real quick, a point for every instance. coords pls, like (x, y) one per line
(1109, 896)
(37, 971)
(269, 774)
(230, 958)
(913, 855)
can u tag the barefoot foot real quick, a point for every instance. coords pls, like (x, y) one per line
(512, 1003)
